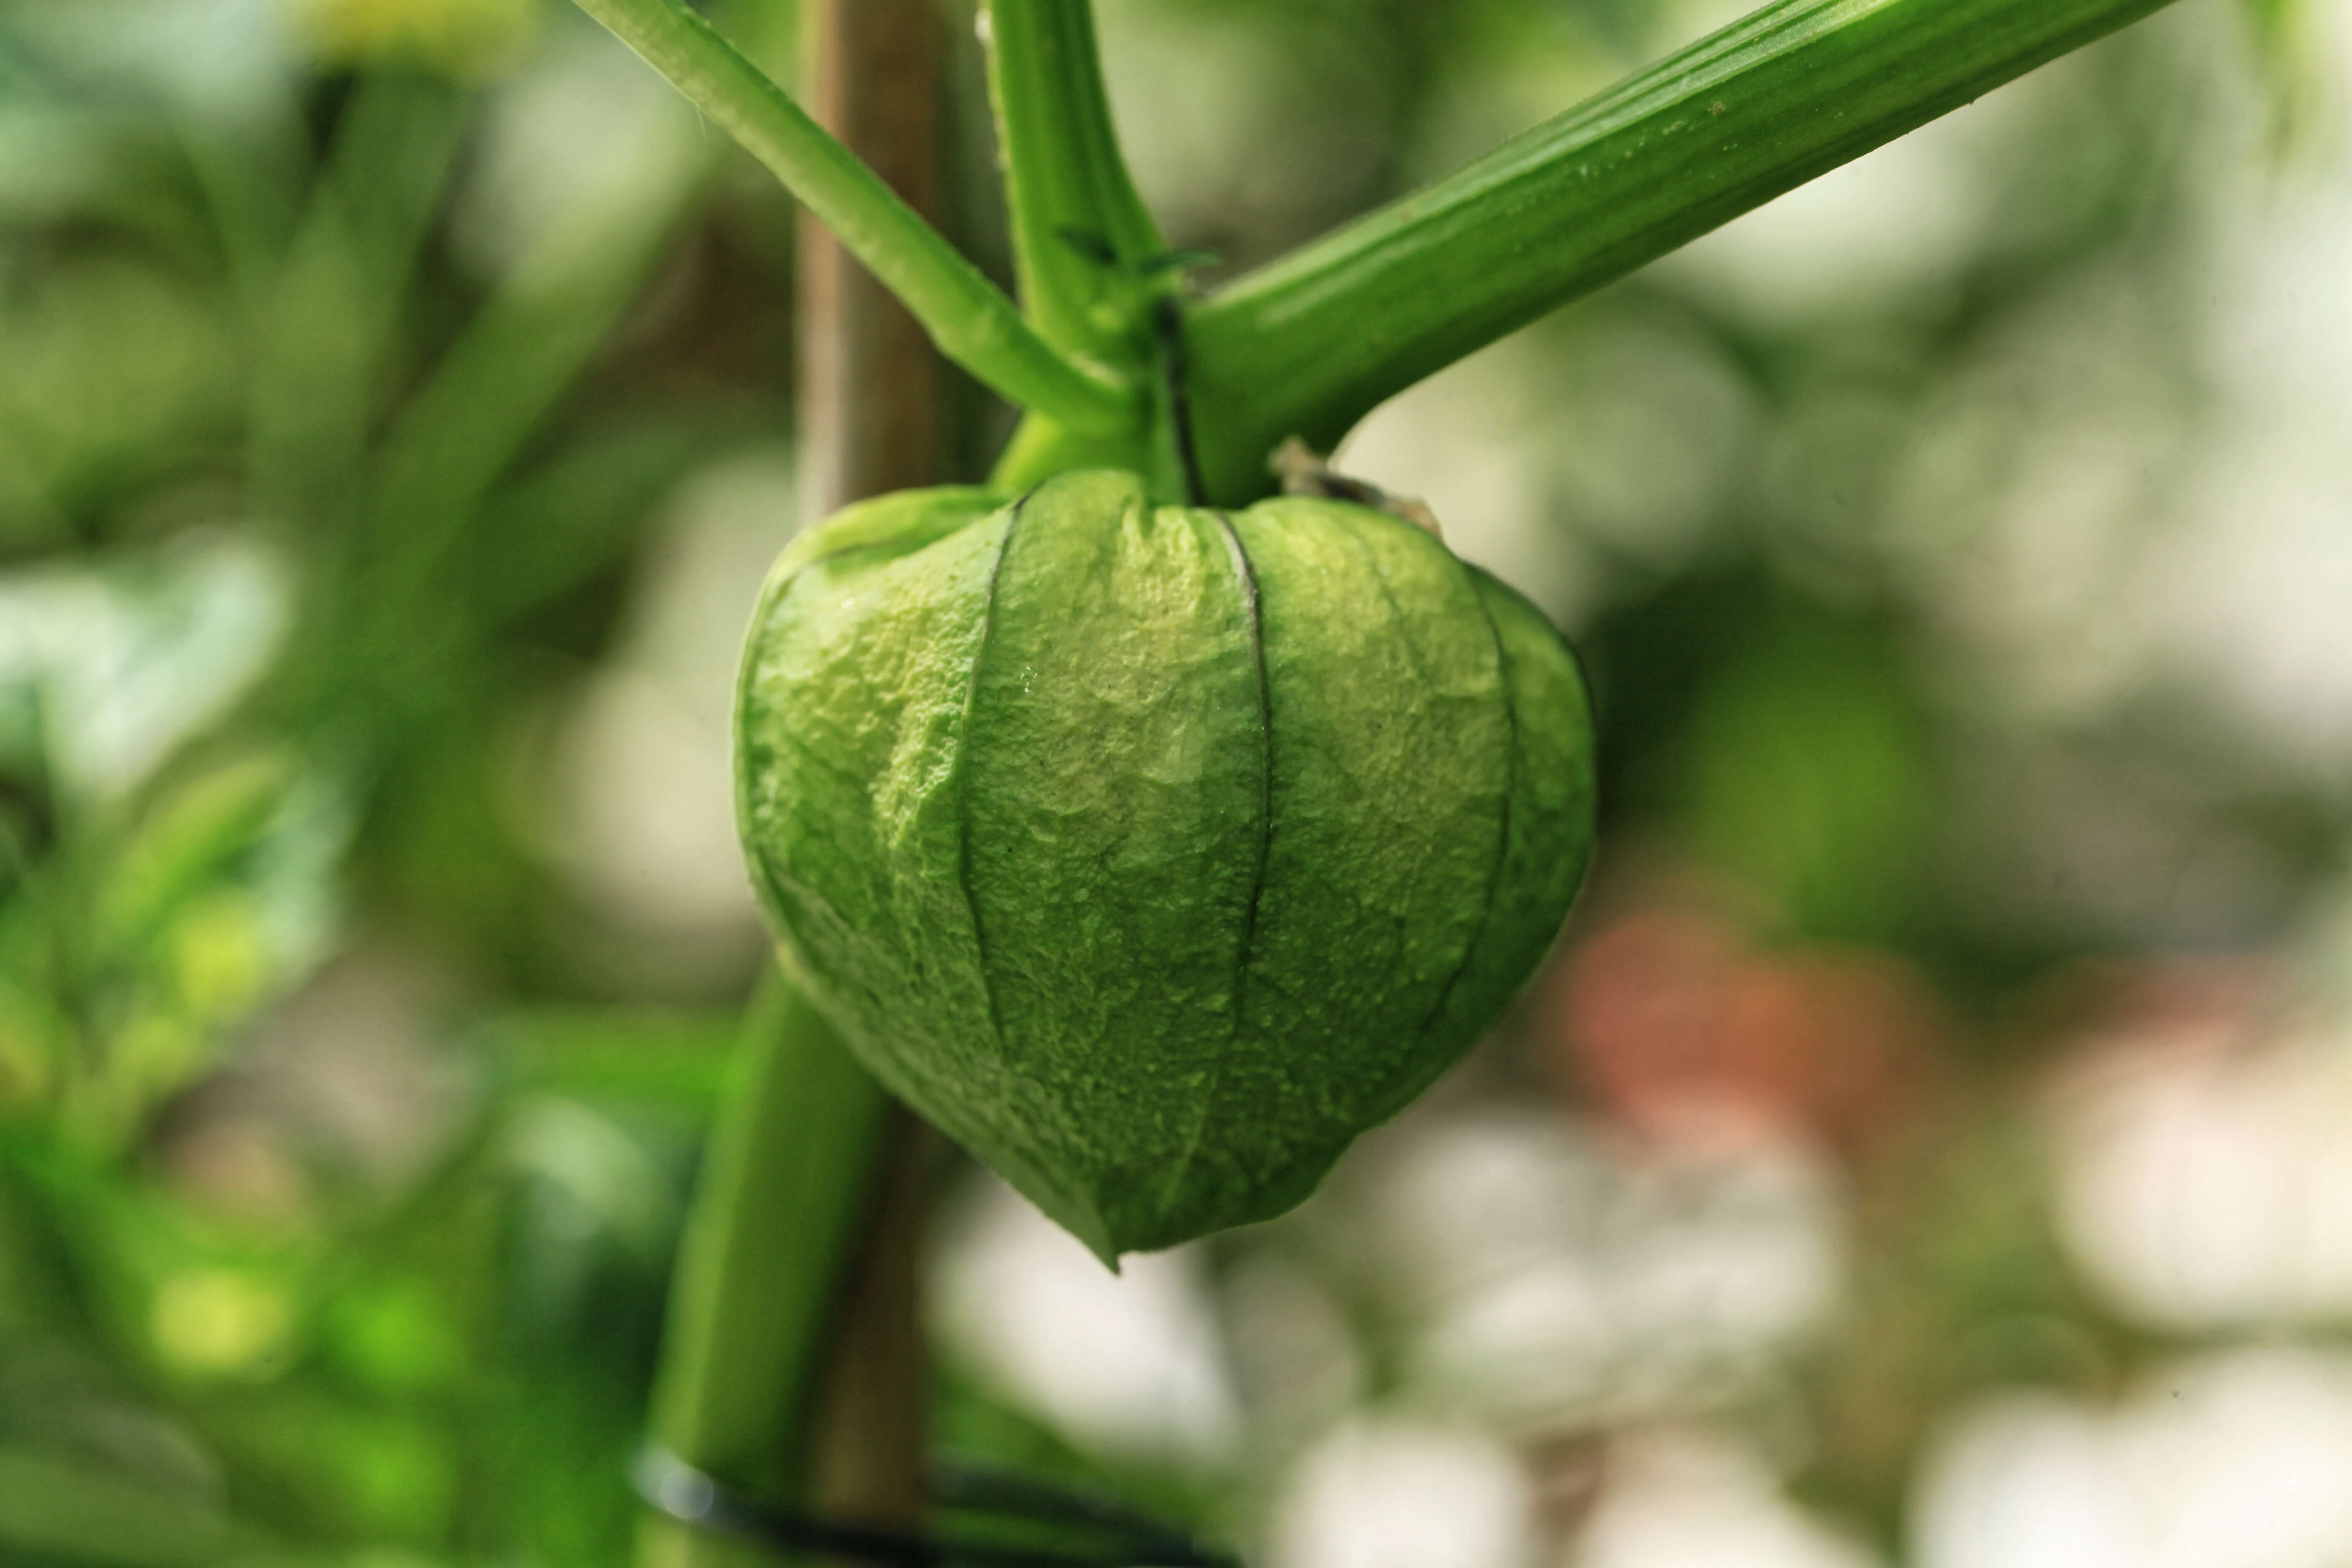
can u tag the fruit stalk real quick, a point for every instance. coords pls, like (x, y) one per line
(1083, 244)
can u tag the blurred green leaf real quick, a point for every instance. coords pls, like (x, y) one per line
(48, 1505)
(188, 839)
(2291, 58)
(396, 1335)
(331, 327)
(556, 526)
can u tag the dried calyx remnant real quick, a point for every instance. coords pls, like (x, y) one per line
(1155, 852)
(1303, 473)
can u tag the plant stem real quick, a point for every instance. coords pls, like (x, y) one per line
(784, 1191)
(1082, 242)
(971, 321)
(1095, 275)
(794, 1367)
(1311, 342)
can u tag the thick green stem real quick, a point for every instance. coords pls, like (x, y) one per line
(971, 321)
(1082, 243)
(1095, 275)
(785, 1190)
(1309, 344)
(794, 1368)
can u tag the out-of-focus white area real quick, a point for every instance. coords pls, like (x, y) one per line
(2204, 1177)
(1592, 1288)
(1130, 1362)
(1881, 231)
(1634, 428)
(216, 57)
(2120, 509)
(1593, 1284)
(1397, 1494)
(2098, 511)
(2240, 1459)
(1692, 1500)
(644, 814)
(110, 671)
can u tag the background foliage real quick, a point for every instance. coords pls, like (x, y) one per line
(1926, 1148)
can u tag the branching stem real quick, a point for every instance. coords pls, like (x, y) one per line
(1082, 241)
(969, 318)
(1310, 344)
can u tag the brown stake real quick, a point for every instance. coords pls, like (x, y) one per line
(869, 405)
(869, 423)
(871, 1428)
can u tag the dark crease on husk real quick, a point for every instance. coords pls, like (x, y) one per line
(1249, 600)
(964, 753)
(1246, 576)
(1495, 879)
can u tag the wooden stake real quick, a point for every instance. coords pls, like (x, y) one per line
(869, 405)
(870, 421)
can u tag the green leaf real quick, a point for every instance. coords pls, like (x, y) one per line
(330, 319)
(189, 839)
(556, 526)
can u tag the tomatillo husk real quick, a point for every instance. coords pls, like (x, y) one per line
(1154, 853)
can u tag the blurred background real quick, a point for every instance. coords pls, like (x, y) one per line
(1931, 1145)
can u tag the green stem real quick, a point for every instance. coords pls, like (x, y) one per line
(971, 321)
(1309, 344)
(1095, 275)
(1082, 242)
(787, 1184)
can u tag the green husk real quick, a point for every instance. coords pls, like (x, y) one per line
(1155, 853)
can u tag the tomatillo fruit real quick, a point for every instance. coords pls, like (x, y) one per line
(1154, 853)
